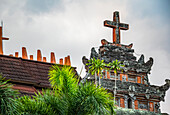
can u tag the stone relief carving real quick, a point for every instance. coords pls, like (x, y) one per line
(141, 59)
(131, 91)
(85, 61)
(109, 52)
(162, 89)
(94, 54)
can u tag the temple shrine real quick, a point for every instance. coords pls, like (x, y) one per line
(134, 90)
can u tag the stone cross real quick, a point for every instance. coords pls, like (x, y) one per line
(2, 38)
(116, 25)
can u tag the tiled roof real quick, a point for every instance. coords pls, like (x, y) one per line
(27, 75)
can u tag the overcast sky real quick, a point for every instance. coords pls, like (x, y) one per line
(72, 27)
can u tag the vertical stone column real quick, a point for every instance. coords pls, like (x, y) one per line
(159, 110)
(154, 106)
(148, 106)
(133, 103)
(126, 77)
(119, 102)
(126, 101)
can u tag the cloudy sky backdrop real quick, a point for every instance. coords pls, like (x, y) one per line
(72, 27)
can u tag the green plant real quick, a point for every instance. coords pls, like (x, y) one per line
(116, 66)
(82, 99)
(95, 67)
(7, 103)
(95, 101)
(67, 97)
(33, 106)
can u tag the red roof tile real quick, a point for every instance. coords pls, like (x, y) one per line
(29, 73)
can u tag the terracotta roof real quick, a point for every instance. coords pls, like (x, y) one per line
(27, 75)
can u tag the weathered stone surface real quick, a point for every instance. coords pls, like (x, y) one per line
(117, 26)
(94, 54)
(133, 85)
(110, 52)
(137, 89)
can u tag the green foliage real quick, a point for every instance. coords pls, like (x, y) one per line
(96, 65)
(28, 106)
(79, 99)
(7, 103)
(63, 79)
(116, 66)
(54, 100)
(95, 101)
(67, 97)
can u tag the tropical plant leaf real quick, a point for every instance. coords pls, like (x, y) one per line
(7, 95)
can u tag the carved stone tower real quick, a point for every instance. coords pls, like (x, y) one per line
(133, 88)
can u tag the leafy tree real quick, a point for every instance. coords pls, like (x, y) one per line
(95, 68)
(94, 101)
(82, 99)
(33, 106)
(67, 97)
(7, 103)
(116, 66)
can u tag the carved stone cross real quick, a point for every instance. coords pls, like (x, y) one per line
(116, 25)
(2, 38)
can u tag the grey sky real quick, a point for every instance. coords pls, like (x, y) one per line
(74, 26)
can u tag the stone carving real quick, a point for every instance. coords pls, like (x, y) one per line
(126, 100)
(105, 42)
(142, 106)
(112, 52)
(133, 88)
(94, 54)
(146, 81)
(131, 91)
(149, 64)
(147, 94)
(162, 89)
(141, 59)
(137, 69)
(166, 86)
(133, 105)
(123, 78)
(157, 106)
(85, 61)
